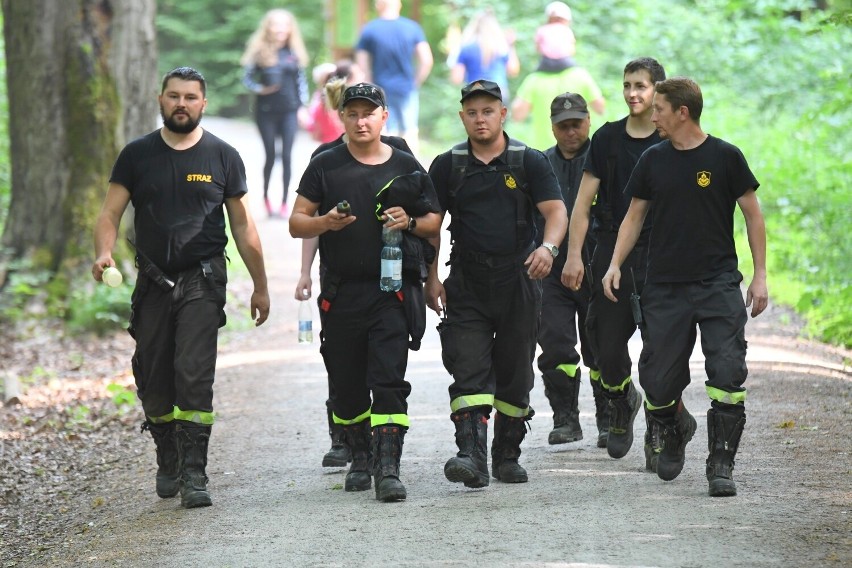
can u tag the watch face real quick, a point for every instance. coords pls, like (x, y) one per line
(412, 223)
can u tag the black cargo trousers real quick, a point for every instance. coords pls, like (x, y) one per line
(610, 325)
(176, 333)
(488, 336)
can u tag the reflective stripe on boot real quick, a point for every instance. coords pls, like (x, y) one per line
(387, 451)
(563, 392)
(192, 441)
(509, 432)
(724, 430)
(622, 414)
(470, 466)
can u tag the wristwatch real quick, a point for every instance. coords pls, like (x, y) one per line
(412, 223)
(552, 249)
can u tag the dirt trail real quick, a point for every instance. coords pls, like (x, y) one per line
(275, 506)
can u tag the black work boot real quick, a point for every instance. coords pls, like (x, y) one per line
(339, 455)
(167, 457)
(653, 442)
(563, 391)
(387, 450)
(192, 442)
(622, 413)
(724, 430)
(357, 437)
(509, 432)
(601, 411)
(676, 433)
(470, 466)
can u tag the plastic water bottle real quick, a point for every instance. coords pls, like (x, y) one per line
(306, 322)
(391, 280)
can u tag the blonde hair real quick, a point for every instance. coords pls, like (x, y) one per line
(262, 50)
(485, 31)
(334, 92)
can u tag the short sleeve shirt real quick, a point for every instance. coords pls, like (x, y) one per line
(391, 45)
(178, 197)
(354, 252)
(539, 89)
(485, 215)
(693, 194)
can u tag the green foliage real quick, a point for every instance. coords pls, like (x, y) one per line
(5, 160)
(98, 308)
(211, 36)
(123, 397)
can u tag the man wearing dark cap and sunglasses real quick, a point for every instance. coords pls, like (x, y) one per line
(364, 330)
(563, 310)
(491, 184)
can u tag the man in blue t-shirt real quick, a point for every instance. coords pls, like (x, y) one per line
(385, 51)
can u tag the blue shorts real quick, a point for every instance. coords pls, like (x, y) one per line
(403, 113)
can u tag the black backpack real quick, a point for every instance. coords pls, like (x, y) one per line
(513, 173)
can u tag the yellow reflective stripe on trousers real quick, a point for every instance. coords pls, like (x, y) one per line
(617, 388)
(356, 420)
(568, 369)
(164, 419)
(382, 419)
(726, 397)
(594, 374)
(510, 410)
(650, 406)
(196, 416)
(470, 400)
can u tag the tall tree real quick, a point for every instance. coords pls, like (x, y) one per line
(81, 78)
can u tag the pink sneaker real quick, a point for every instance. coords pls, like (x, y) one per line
(268, 206)
(284, 212)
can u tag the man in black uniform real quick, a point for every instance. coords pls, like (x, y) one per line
(491, 300)
(364, 330)
(563, 311)
(695, 181)
(339, 454)
(178, 178)
(616, 147)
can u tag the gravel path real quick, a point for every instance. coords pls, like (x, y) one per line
(275, 506)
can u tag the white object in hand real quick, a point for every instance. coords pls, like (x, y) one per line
(112, 277)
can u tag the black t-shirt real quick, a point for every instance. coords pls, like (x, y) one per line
(568, 172)
(694, 194)
(486, 216)
(354, 253)
(178, 197)
(612, 140)
(288, 76)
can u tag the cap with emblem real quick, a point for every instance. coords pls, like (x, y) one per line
(364, 91)
(481, 86)
(566, 106)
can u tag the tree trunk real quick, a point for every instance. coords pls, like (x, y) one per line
(81, 81)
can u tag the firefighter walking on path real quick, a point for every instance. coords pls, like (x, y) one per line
(490, 185)
(364, 330)
(694, 181)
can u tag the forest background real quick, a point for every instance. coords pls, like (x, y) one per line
(776, 81)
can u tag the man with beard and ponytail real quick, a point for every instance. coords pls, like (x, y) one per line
(180, 179)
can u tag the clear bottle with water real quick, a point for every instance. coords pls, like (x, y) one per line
(391, 280)
(306, 322)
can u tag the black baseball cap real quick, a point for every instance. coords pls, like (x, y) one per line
(481, 86)
(567, 106)
(365, 91)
